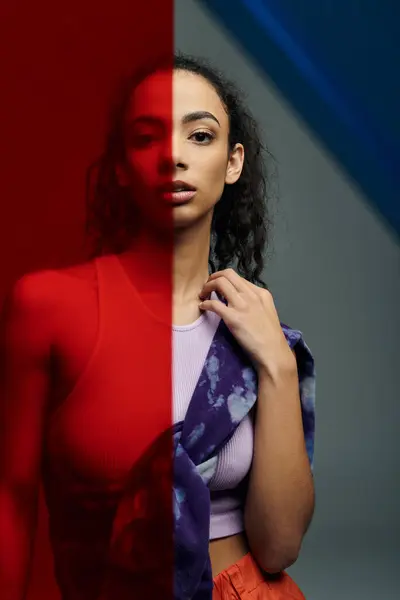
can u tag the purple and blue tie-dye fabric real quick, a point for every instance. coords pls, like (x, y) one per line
(225, 393)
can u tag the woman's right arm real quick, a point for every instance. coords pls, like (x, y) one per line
(25, 344)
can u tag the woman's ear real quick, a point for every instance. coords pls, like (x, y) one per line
(235, 164)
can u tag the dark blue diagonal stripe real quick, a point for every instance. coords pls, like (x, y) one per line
(363, 142)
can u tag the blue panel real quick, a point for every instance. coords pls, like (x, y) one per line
(337, 63)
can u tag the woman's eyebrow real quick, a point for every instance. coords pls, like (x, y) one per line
(199, 115)
(147, 119)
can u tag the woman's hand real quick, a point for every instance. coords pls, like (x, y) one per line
(252, 318)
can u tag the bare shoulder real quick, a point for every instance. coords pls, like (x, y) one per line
(24, 326)
(83, 272)
(38, 298)
(39, 290)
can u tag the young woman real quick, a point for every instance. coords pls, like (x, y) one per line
(179, 189)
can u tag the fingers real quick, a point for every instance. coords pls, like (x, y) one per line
(217, 307)
(238, 282)
(222, 286)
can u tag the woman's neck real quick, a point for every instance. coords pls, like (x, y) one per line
(190, 265)
(176, 267)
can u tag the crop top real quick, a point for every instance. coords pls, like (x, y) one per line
(190, 347)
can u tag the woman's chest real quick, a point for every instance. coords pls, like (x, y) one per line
(121, 399)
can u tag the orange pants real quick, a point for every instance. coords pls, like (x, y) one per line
(244, 580)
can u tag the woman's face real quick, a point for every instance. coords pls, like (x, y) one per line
(177, 154)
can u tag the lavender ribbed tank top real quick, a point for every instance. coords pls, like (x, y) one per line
(191, 344)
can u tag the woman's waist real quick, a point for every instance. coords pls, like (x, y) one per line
(226, 551)
(80, 566)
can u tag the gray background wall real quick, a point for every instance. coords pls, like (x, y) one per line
(335, 274)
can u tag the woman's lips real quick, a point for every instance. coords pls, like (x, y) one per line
(179, 197)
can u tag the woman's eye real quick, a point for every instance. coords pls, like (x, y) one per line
(142, 139)
(202, 137)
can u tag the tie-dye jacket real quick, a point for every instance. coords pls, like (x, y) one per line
(163, 544)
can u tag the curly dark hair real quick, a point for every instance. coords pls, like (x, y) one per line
(241, 221)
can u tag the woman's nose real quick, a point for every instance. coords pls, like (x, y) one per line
(173, 155)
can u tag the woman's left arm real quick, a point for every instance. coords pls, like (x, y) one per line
(280, 498)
